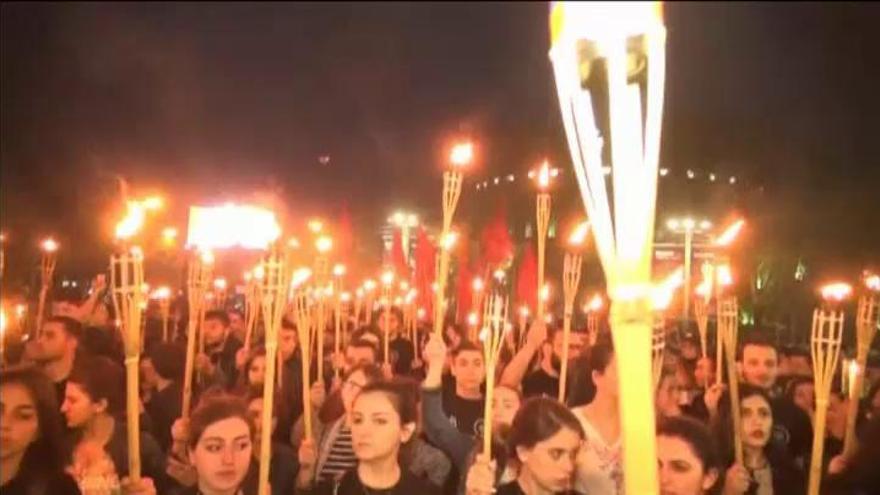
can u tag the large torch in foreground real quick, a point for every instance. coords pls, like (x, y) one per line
(273, 298)
(867, 321)
(197, 285)
(127, 283)
(825, 340)
(571, 277)
(608, 59)
(461, 156)
(47, 271)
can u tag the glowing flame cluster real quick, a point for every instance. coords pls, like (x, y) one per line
(836, 291)
(579, 234)
(462, 154)
(544, 175)
(728, 236)
(135, 215)
(161, 293)
(49, 245)
(661, 293)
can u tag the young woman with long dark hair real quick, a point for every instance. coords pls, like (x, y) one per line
(383, 420)
(543, 445)
(31, 451)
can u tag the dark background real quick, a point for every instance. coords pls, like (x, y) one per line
(213, 102)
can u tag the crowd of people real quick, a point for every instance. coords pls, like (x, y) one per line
(410, 422)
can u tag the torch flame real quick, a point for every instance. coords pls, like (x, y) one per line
(387, 278)
(462, 154)
(449, 240)
(369, 284)
(316, 226)
(300, 276)
(661, 294)
(324, 244)
(421, 313)
(872, 282)
(836, 291)
(596, 303)
(220, 283)
(473, 319)
(579, 235)
(161, 293)
(338, 270)
(478, 284)
(544, 176)
(49, 245)
(729, 234)
(132, 222)
(724, 275)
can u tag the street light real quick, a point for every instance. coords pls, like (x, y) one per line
(688, 226)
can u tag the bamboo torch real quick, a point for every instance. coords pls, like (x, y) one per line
(587, 39)
(571, 277)
(323, 245)
(220, 287)
(198, 278)
(252, 307)
(339, 295)
(661, 297)
(728, 329)
(826, 336)
(701, 305)
(592, 309)
(461, 156)
(47, 271)
(387, 280)
(723, 278)
(542, 213)
(303, 316)
(370, 289)
(273, 297)
(867, 321)
(127, 282)
(494, 327)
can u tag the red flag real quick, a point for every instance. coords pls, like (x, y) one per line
(527, 278)
(425, 261)
(398, 260)
(344, 236)
(497, 246)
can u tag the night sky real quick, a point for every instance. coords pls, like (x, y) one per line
(213, 102)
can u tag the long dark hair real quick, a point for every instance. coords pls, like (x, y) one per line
(538, 419)
(102, 379)
(47, 453)
(697, 436)
(723, 427)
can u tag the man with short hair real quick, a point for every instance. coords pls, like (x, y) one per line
(290, 395)
(236, 325)
(55, 350)
(218, 361)
(358, 353)
(759, 366)
(463, 398)
(400, 348)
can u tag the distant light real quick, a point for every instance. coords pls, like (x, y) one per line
(732, 180)
(511, 178)
(705, 225)
(664, 172)
(497, 180)
(691, 174)
(712, 177)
